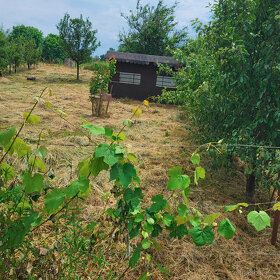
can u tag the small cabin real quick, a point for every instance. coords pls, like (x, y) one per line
(136, 75)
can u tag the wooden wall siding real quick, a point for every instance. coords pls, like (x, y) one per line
(147, 86)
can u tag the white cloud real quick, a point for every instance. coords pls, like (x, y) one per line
(105, 15)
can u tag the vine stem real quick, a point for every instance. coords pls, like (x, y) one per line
(22, 125)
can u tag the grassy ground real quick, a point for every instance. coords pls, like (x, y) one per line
(160, 140)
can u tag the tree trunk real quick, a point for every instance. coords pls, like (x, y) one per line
(15, 68)
(78, 71)
(10, 69)
(28, 65)
(250, 188)
(0, 74)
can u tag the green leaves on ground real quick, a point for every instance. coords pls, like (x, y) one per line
(195, 159)
(226, 229)
(159, 203)
(54, 199)
(199, 173)
(7, 171)
(177, 180)
(260, 220)
(94, 130)
(202, 236)
(135, 257)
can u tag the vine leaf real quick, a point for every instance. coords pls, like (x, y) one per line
(104, 150)
(145, 244)
(6, 136)
(54, 199)
(177, 180)
(210, 219)
(226, 229)
(199, 173)
(183, 210)
(159, 203)
(32, 118)
(32, 183)
(195, 159)
(37, 162)
(41, 152)
(276, 206)
(135, 257)
(123, 173)
(260, 220)
(7, 171)
(94, 130)
(97, 165)
(201, 237)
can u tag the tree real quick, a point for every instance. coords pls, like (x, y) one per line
(231, 84)
(79, 38)
(152, 30)
(27, 32)
(4, 60)
(16, 52)
(31, 53)
(52, 49)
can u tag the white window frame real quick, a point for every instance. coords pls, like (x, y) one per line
(130, 78)
(165, 81)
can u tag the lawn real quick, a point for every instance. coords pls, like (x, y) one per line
(160, 140)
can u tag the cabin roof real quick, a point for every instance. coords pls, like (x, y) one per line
(136, 58)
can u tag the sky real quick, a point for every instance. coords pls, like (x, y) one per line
(105, 15)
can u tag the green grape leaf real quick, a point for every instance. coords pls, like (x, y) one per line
(226, 229)
(183, 210)
(195, 159)
(78, 186)
(132, 157)
(41, 152)
(178, 231)
(7, 171)
(230, 208)
(124, 173)
(177, 180)
(6, 136)
(167, 219)
(37, 163)
(276, 207)
(104, 150)
(159, 203)
(202, 236)
(127, 122)
(94, 130)
(32, 183)
(135, 257)
(32, 118)
(210, 219)
(54, 199)
(91, 225)
(260, 220)
(21, 148)
(97, 165)
(83, 167)
(199, 173)
(145, 244)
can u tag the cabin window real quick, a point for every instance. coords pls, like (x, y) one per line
(164, 81)
(130, 78)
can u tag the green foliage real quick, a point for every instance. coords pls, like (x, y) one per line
(4, 61)
(78, 37)
(260, 220)
(152, 30)
(34, 203)
(52, 49)
(31, 53)
(229, 84)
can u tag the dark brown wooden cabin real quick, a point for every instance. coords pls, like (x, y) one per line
(137, 77)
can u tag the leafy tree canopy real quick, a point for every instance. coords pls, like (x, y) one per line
(3, 52)
(52, 49)
(78, 37)
(151, 30)
(28, 32)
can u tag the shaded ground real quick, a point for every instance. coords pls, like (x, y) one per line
(160, 141)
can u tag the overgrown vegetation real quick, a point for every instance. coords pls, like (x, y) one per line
(229, 85)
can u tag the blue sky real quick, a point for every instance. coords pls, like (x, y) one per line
(104, 15)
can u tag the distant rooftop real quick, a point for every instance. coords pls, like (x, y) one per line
(137, 58)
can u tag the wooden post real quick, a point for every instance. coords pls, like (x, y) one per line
(276, 221)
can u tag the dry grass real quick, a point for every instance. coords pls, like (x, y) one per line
(248, 255)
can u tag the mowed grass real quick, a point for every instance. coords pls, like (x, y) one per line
(160, 141)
